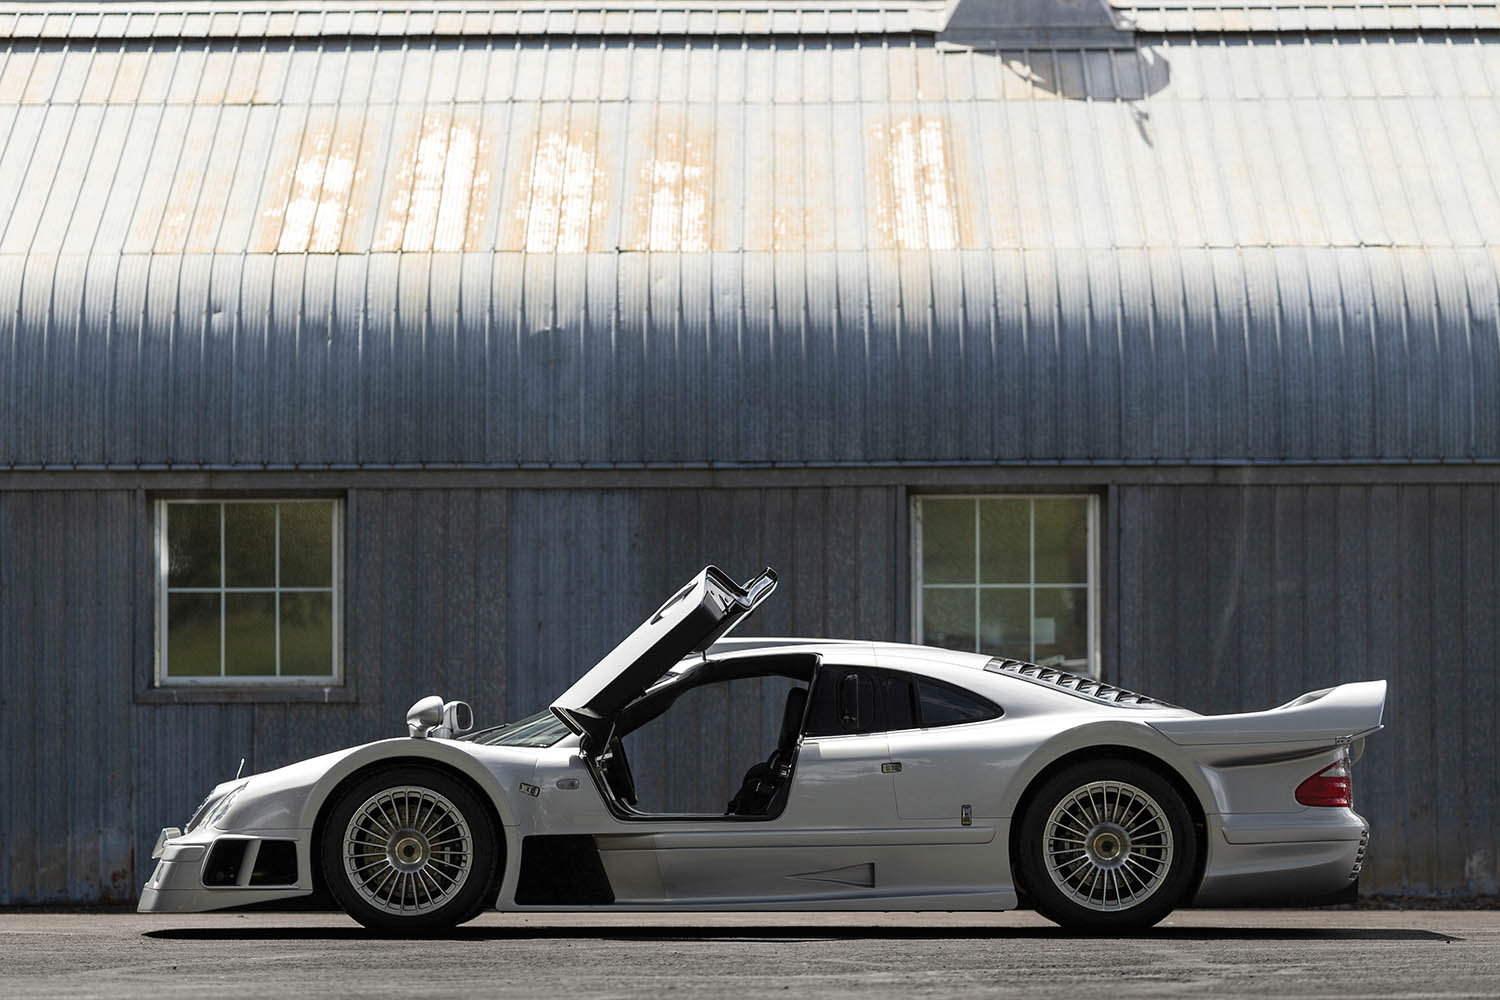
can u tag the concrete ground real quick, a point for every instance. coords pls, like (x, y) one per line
(1224, 953)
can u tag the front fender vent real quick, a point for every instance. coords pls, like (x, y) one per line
(1086, 687)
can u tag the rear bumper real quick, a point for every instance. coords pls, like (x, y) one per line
(1264, 867)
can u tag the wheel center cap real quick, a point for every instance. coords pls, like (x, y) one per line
(1107, 845)
(408, 850)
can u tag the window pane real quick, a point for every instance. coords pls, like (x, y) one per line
(842, 702)
(948, 541)
(1005, 541)
(1062, 539)
(250, 544)
(306, 545)
(250, 635)
(946, 706)
(193, 545)
(1062, 626)
(306, 635)
(948, 618)
(899, 708)
(193, 631)
(1006, 615)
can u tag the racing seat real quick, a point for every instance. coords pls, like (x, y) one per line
(765, 779)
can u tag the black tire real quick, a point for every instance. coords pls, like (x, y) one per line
(1133, 861)
(423, 853)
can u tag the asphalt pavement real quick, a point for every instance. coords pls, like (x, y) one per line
(1223, 953)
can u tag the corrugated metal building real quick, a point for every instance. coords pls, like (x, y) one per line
(549, 305)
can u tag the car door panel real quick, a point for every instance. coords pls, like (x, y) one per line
(838, 795)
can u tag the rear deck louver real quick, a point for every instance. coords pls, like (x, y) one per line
(1088, 687)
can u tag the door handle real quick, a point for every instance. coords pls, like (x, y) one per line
(891, 767)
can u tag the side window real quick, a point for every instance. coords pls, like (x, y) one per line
(853, 700)
(941, 704)
(843, 702)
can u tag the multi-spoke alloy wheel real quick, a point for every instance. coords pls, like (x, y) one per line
(410, 849)
(407, 850)
(1106, 845)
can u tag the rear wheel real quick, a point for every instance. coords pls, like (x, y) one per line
(410, 850)
(1107, 845)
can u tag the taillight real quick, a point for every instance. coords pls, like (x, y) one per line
(1329, 787)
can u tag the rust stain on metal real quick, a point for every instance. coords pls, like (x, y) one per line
(431, 200)
(308, 200)
(911, 189)
(272, 71)
(789, 191)
(13, 75)
(171, 227)
(558, 197)
(162, 226)
(43, 77)
(127, 80)
(479, 197)
(964, 198)
(218, 67)
(100, 77)
(240, 87)
(671, 211)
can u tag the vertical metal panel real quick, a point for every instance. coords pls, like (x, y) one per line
(1386, 758)
(1239, 598)
(22, 746)
(1479, 706)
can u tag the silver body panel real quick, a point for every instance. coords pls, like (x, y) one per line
(852, 836)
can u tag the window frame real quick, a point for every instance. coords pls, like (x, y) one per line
(164, 682)
(916, 535)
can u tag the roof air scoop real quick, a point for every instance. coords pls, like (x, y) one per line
(994, 24)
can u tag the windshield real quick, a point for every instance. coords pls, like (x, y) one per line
(540, 730)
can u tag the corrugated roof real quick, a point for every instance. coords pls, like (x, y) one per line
(1203, 16)
(116, 19)
(740, 250)
(454, 18)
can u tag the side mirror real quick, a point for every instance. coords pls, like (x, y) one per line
(425, 716)
(458, 718)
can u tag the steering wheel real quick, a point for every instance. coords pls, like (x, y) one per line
(621, 780)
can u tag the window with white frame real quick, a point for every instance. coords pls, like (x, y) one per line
(1012, 576)
(248, 591)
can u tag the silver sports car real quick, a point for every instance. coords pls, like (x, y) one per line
(901, 778)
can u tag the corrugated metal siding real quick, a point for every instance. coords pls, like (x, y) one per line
(1242, 598)
(67, 573)
(616, 251)
(500, 597)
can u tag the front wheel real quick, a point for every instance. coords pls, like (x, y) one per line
(1107, 845)
(410, 850)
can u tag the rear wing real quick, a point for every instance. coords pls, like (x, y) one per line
(1333, 715)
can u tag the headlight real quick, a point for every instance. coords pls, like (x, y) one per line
(209, 801)
(217, 813)
(212, 808)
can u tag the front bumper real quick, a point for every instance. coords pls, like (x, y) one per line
(192, 876)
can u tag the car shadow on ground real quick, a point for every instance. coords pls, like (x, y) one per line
(791, 934)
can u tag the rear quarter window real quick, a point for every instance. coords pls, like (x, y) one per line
(940, 704)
